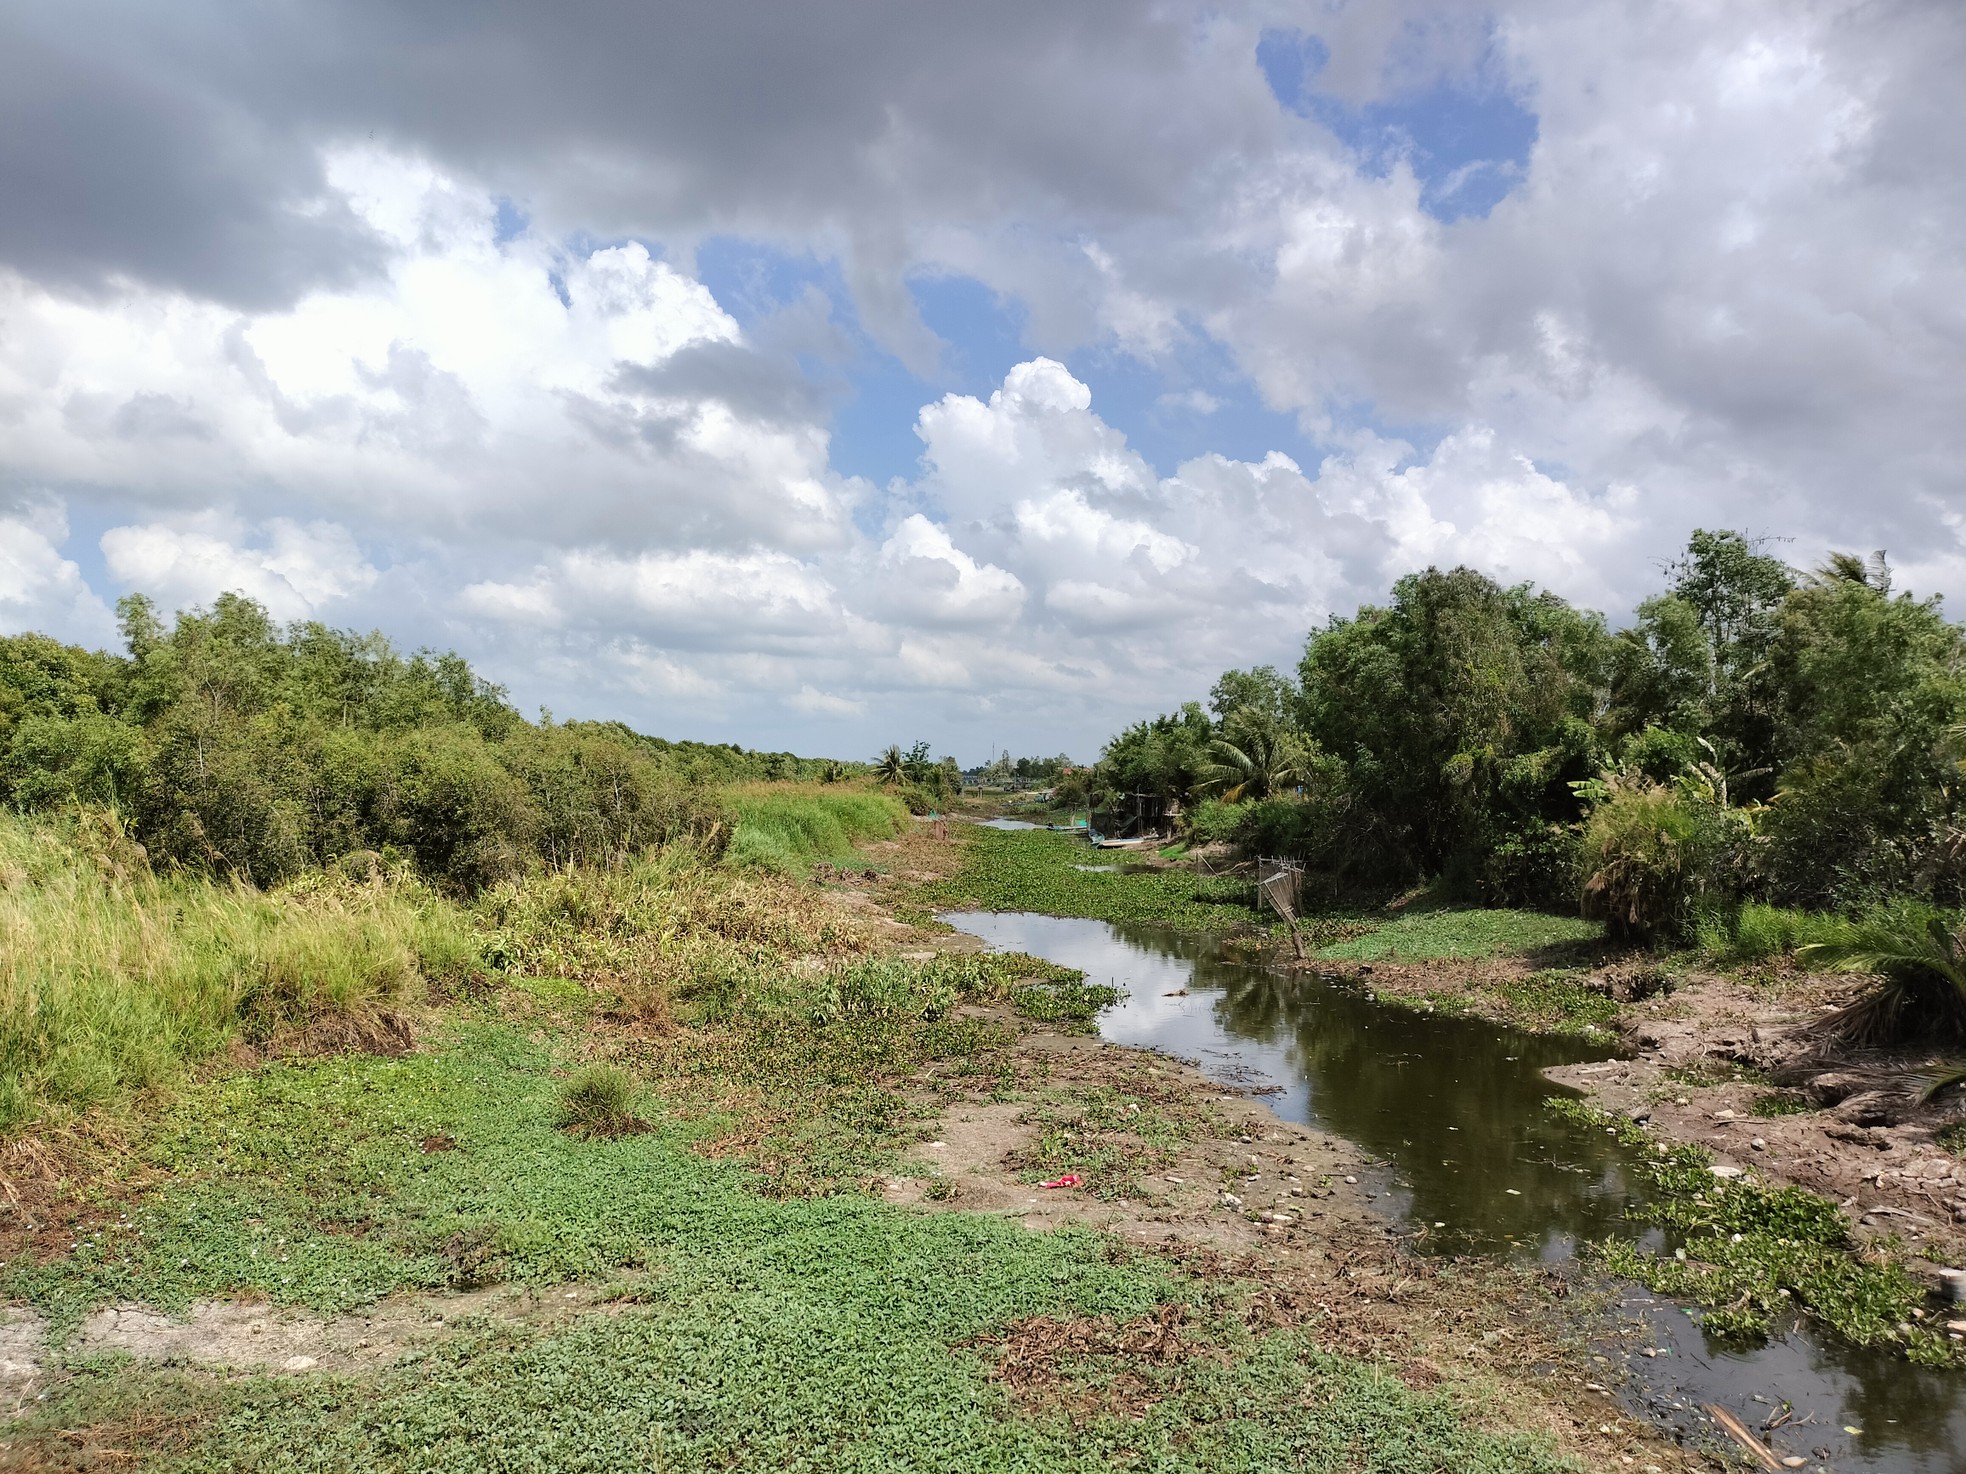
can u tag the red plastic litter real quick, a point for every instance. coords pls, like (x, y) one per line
(1070, 1179)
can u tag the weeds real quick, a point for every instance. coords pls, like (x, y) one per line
(1758, 933)
(784, 827)
(1113, 1136)
(1558, 1002)
(113, 980)
(1753, 1255)
(599, 1101)
(1034, 870)
(1425, 935)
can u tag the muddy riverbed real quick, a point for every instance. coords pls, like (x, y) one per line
(1467, 1160)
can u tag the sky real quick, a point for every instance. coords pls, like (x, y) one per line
(819, 377)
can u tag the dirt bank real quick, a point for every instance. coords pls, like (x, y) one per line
(1731, 1064)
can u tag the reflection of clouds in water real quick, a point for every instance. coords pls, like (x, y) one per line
(1455, 1108)
(1147, 1018)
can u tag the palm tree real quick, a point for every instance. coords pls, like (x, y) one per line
(1921, 966)
(1254, 757)
(891, 767)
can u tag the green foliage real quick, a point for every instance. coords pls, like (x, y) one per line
(1461, 713)
(1034, 870)
(1164, 757)
(114, 980)
(786, 827)
(1648, 855)
(1755, 932)
(1214, 821)
(1069, 1002)
(1918, 957)
(1255, 757)
(1755, 738)
(1421, 935)
(1755, 1254)
(230, 745)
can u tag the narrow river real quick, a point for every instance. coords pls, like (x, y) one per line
(1471, 1162)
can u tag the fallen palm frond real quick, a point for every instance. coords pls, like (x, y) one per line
(1919, 960)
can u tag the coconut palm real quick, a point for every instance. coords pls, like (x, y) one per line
(1255, 756)
(891, 767)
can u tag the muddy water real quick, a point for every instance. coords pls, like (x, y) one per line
(1471, 1162)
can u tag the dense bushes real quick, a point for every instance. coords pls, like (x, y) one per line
(232, 746)
(1756, 734)
(1646, 856)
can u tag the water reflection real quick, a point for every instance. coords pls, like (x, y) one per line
(1454, 1109)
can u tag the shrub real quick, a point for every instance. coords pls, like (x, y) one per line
(1214, 822)
(1918, 956)
(1645, 856)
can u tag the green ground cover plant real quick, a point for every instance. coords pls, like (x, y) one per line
(1035, 870)
(827, 1330)
(1755, 1255)
(1474, 932)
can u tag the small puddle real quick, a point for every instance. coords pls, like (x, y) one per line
(1006, 824)
(1471, 1162)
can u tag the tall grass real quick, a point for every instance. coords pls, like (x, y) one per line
(1756, 932)
(113, 979)
(785, 827)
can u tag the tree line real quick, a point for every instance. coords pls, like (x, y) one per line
(1758, 731)
(229, 744)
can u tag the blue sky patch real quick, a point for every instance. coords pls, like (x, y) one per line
(1467, 140)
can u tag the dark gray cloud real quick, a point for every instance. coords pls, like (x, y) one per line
(178, 144)
(123, 154)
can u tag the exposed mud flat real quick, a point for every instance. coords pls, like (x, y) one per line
(246, 1336)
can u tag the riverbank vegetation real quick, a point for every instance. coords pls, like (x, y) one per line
(1759, 742)
(1757, 1256)
(453, 1001)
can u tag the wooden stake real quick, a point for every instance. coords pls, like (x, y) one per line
(1735, 1429)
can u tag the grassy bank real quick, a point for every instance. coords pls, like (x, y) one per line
(787, 827)
(113, 979)
(757, 1309)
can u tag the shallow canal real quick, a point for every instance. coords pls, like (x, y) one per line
(1472, 1162)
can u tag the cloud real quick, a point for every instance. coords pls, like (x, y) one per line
(296, 570)
(39, 588)
(401, 322)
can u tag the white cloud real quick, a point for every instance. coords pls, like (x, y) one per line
(1725, 289)
(925, 577)
(296, 570)
(39, 588)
